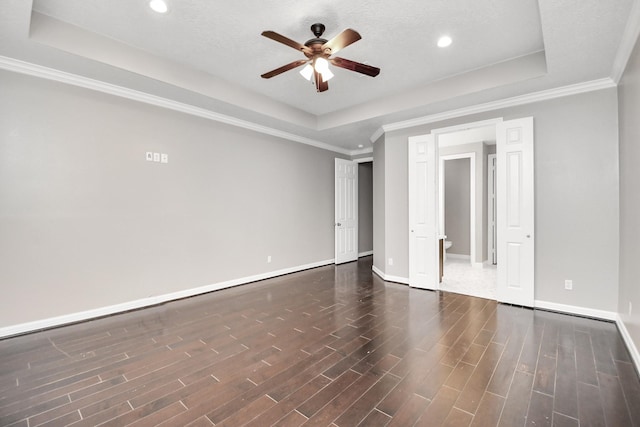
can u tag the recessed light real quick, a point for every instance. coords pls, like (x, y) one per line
(159, 6)
(444, 41)
(360, 145)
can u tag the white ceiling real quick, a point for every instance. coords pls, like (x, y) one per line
(211, 54)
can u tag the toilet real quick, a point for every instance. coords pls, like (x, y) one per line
(447, 245)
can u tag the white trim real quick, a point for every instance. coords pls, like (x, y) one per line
(368, 150)
(491, 208)
(627, 43)
(51, 322)
(631, 346)
(363, 160)
(389, 278)
(22, 67)
(468, 126)
(376, 135)
(365, 253)
(458, 256)
(544, 95)
(573, 309)
(472, 196)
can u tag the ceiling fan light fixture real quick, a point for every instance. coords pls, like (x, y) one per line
(159, 6)
(444, 41)
(321, 65)
(307, 72)
(326, 75)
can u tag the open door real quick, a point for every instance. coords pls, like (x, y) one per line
(515, 211)
(423, 213)
(346, 211)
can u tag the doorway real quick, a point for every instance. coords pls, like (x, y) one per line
(514, 209)
(463, 156)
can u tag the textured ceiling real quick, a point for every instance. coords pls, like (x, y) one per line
(225, 41)
(211, 54)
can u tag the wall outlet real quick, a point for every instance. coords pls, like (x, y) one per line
(390, 261)
(268, 258)
(568, 285)
(149, 156)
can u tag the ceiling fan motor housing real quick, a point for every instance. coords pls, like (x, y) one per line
(317, 29)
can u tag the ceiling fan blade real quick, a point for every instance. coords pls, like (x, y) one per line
(321, 85)
(284, 68)
(287, 41)
(342, 40)
(355, 66)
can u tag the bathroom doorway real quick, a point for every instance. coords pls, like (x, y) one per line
(468, 267)
(515, 209)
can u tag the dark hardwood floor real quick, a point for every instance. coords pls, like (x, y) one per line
(328, 346)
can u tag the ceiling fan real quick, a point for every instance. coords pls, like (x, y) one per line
(318, 52)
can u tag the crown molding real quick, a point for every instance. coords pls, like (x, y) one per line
(360, 151)
(22, 67)
(376, 135)
(530, 98)
(628, 42)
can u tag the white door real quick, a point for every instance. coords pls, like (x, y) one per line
(423, 213)
(515, 211)
(346, 216)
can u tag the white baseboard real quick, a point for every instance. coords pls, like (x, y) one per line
(458, 256)
(631, 346)
(51, 322)
(572, 309)
(366, 253)
(389, 278)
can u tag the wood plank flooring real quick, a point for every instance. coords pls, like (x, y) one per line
(332, 346)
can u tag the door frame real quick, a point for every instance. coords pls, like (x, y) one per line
(433, 137)
(492, 237)
(472, 198)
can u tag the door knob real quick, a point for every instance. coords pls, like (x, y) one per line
(338, 224)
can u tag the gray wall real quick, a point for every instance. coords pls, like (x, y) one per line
(629, 111)
(576, 195)
(379, 202)
(365, 207)
(86, 222)
(457, 207)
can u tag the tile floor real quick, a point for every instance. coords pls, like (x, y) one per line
(462, 278)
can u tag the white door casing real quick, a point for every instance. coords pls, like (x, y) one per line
(491, 208)
(423, 212)
(515, 211)
(346, 211)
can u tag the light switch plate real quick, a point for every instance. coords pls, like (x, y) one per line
(149, 156)
(164, 158)
(156, 157)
